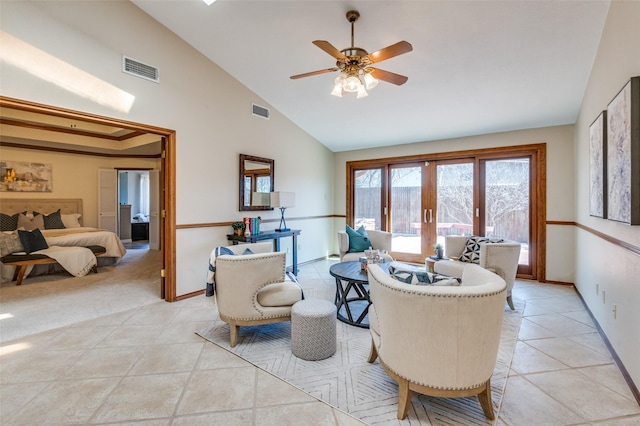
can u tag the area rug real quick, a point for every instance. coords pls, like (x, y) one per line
(347, 381)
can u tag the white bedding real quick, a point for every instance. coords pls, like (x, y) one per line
(75, 237)
(86, 236)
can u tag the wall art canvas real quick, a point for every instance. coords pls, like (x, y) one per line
(623, 155)
(597, 166)
(19, 176)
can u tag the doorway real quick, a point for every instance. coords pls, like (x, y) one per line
(166, 202)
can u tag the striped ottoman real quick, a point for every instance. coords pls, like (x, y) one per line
(313, 329)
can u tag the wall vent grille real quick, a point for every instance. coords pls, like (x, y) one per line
(259, 111)
(139, 69)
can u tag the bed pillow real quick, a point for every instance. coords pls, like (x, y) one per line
(30, 224)
(9, 222)
(358, 239)
(10, 243)
(52, 220)
(32, 240)
(71, 220)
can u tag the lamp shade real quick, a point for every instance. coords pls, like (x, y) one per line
(261, 199)
(283, 199)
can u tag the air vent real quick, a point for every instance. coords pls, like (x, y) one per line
(137, 68)
(259, 111)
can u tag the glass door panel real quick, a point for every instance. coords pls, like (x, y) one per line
(405, 210)
(368, 199)
(507, 202)
(454, 200)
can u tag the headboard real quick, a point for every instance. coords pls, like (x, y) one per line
(12, 206)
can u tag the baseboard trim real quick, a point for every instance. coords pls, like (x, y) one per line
(614, 355)
(189, 295)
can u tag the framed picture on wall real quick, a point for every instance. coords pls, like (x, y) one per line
(20, 176)
(597, 166)
(623, 155)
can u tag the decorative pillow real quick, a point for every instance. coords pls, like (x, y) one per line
(10, 243)
(9, 223)
(32, 240)
(30, 224)
(358, 239)
(225, 250)
(71, 220)
(52, 220)
(413, 275)
(471, 252)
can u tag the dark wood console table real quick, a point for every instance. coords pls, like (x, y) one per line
(271, 235)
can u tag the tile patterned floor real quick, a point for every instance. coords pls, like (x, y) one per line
(146, 366)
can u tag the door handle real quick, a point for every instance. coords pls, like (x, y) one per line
(424, 216)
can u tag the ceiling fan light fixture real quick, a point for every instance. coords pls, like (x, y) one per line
(362, 92)
(337, 88)
(370, 81)
(351, 84)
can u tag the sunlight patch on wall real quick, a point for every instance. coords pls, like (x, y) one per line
(49, 68)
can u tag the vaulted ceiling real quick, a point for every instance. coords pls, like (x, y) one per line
(477, 67)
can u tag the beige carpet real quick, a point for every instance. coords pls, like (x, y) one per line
(47, 302)
(347, 381)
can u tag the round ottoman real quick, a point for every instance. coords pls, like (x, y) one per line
(313, 329)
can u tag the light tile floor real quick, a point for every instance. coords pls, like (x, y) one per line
(146, 366)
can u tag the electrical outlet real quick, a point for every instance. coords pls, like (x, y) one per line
(597, 289)
(604, 296)
(615, 311)
(287, 250)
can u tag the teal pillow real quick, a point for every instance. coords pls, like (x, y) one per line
(358, 240)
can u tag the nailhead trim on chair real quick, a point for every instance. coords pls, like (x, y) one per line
(419, 293)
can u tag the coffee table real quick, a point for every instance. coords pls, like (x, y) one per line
(352, 292)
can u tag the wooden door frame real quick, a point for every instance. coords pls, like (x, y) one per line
(168, 179)
(538, 152)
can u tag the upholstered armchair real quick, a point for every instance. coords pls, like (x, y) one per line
(251, 289)
(380, 240)
(439, 341)
(501, 258)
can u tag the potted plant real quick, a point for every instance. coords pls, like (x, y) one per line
(238, 228)
(438, 250)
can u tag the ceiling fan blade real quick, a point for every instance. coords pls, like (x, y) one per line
(390, 51)
(309, 74)
(389, 77)
(329, 48)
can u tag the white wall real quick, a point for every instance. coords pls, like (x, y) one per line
(210, 111)
(560, 175)
(74, 176)
(615, 269)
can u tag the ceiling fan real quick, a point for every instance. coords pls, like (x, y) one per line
(354, 64)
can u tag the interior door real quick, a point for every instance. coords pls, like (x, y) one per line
(108, 199)
(154, 209)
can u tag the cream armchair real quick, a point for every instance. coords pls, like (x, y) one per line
(440, 341)
(380, 240)
(251, 289)
(501, 258)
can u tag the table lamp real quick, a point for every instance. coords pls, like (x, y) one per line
(282, 200)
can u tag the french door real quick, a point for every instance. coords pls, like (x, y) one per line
(422, 202)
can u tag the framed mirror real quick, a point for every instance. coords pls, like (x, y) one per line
(256, 175)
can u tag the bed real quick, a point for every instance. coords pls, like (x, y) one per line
(69, 237)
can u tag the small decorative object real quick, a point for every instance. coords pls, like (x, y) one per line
(438, 250)
(238, 228)
(623, 155)
(363, 263)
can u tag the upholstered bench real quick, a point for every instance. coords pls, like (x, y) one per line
(21, 261)
(313, 329)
